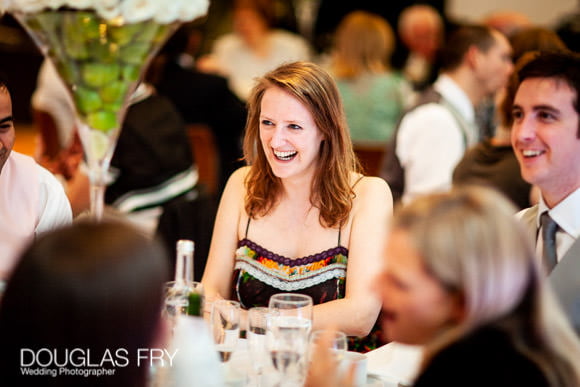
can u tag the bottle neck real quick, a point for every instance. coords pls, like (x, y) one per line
(184, 262)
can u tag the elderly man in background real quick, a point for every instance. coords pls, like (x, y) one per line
(421, 30)
(31, 199)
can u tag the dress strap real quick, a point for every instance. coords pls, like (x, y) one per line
(339, 230)
(248, 227)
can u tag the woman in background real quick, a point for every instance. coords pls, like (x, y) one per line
(374, 96)
(254, 47)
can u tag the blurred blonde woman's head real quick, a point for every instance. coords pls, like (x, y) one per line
(469, 242)
(364, 42)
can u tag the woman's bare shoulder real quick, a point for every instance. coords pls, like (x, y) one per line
(370, 185)
(237, 178)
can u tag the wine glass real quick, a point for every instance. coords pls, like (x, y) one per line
(289, 326)
(225, 323)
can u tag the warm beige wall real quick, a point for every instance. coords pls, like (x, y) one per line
(544, 12)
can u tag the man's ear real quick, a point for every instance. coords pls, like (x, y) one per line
(473, 57)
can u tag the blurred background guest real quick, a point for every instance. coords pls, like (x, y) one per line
(373, 94)
(254, 47)
(507, 22)
(433, 135)
(201, 98)
(94, 287)
(421, 30)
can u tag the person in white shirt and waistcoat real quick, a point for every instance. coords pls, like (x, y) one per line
(546, 141)
(432, 137)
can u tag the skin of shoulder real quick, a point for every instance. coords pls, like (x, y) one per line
(369, 221)
(220, 264)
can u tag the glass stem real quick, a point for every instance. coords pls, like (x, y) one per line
(97, 180)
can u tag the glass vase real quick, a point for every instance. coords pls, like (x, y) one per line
(101, 62)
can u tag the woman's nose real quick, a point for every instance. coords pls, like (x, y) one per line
(278, 137)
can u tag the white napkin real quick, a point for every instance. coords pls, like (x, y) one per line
(197, 362)
(395, 362)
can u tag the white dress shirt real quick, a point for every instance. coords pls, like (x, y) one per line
(430, 142)
(32, 201)
(566, 215)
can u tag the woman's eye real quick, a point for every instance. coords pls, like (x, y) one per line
(294, 126)
(266, 122)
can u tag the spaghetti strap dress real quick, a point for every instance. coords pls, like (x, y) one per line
(260, 273)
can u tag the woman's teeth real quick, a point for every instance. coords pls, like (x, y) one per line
(285, 156)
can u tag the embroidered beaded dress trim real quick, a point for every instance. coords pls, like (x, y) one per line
(290, 274)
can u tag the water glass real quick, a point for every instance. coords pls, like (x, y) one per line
(256, 336)
(225, 323)
(292, 304)
(337, 343)
(289, 326)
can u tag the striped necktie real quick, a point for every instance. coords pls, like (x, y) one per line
(549, 228)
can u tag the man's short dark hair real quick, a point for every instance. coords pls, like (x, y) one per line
(560, 65)
(453, 51)
(4, 84)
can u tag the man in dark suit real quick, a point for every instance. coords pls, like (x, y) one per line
(546, 141)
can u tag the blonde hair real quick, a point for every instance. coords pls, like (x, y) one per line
(472, 244)
(364, 43)
(331, 187)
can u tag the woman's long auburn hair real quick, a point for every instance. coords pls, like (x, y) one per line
(332, 191)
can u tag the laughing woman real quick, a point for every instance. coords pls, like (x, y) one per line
(300, 217)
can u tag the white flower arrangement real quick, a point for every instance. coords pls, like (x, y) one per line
(132, 11)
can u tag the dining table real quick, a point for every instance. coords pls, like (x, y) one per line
(197, 362)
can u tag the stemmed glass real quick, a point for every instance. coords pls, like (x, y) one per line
(289, 326)
(225, 323)
(256, 336)
(338, 343)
